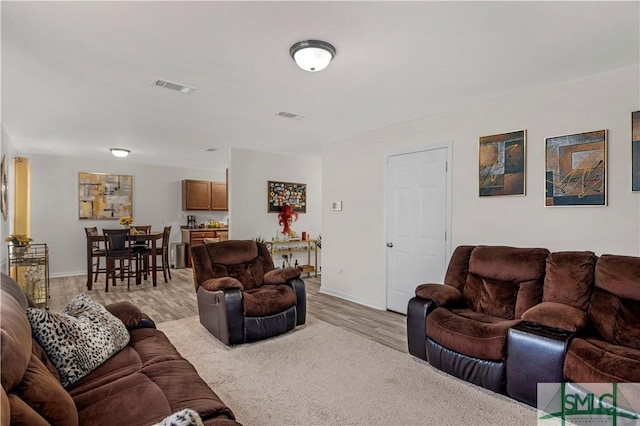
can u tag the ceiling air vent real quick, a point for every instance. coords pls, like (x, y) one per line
(187, 90)
(290, 115)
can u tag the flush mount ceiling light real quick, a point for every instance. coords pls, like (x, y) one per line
(119, 152)
(312, 55)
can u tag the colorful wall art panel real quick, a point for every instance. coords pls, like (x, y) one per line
(576, 169)
(502, 161)
(293, 194)
(635, 151)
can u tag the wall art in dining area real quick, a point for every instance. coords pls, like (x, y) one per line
(635, 151)
(501, 164)
(104, 195)
(576, 171)
(280, 193)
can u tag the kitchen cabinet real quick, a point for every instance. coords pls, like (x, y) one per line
(196, 237)
(204, 195)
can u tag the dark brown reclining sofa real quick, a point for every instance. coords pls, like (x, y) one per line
(509, 318)
(141, 384)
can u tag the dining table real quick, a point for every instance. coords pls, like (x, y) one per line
(152, 236)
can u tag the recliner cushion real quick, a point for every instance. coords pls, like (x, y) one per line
(470, 333)
(593, 360)
(615, 303)
(268, 300)
(617, 320)
(505, 281)
(569, 278)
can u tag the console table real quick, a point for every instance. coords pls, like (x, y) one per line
(29, 267)
(291, 247)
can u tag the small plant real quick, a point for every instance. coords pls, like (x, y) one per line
(18, 239)
(125, 220)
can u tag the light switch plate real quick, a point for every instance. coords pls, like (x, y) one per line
(337, 206)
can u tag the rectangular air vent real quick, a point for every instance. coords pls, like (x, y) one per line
(290, 115)
(187, 90)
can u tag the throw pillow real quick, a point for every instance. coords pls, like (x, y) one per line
(186, 417)
(80, 338)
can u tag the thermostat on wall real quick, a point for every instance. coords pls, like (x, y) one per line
(337, 206)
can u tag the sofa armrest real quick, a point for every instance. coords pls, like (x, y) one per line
(221, 283)
(300, 289)
(281, 276)
(441, 294)
(556, 315)
(126, 312)
(417, 311)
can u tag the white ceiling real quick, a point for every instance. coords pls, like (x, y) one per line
(77, 76)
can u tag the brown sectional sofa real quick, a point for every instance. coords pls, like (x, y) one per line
(141, 384)
(509, 318)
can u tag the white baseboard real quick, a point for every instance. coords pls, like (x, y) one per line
(351, 298)
(68, 274)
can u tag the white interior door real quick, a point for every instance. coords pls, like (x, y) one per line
(417, 217)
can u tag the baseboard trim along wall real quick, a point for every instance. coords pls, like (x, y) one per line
(351, 298)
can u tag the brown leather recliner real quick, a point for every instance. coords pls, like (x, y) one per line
(609, 350)
(241, 296)
(461, 327)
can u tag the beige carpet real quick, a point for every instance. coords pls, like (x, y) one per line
(320, 374)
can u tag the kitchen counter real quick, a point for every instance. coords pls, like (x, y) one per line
(196, 236)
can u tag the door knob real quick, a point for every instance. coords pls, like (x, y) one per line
(389, 244)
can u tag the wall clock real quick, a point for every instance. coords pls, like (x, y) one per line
(4, 188)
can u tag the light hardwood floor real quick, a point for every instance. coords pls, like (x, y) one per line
(177, 299)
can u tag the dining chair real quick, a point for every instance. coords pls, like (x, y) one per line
(163, 252)
(117, 246)
(97, 252)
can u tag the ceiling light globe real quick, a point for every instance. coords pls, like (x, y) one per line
(312, 55)
(119, 152)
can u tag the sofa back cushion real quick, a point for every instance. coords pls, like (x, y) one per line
(505, 281)
(615, 303)
(569, 278)
(41, 396)
(15, 338)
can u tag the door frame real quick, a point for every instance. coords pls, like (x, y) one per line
(449, 147)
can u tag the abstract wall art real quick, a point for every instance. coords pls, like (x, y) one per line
(502, 162)
(293, 194)
(104, 196)
(576, 169)
(635, 151)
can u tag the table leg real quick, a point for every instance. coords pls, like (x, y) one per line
(89, 265)
(153, 261)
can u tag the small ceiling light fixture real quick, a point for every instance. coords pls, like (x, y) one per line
(312, 55)
(119, 152)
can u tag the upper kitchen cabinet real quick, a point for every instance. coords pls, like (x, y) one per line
(204, 195)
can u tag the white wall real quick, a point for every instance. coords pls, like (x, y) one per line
(249, 172)
(7, 148)
(354, 254)
(157, 201)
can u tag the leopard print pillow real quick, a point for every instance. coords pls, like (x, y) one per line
(186, 417)
(80, 338)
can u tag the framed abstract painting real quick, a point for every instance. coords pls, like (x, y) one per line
(635, 151)
(104, 195)
(501, 164)
(576, 169)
